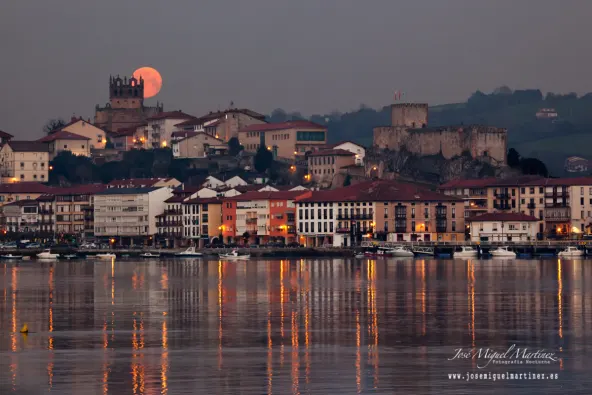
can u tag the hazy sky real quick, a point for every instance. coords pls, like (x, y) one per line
(312, 56)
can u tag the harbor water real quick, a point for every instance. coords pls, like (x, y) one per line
(324, 326)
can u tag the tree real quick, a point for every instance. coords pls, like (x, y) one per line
(234, 146)
(53, 124)
(513, 158)
(263, 159)
(533, 166)
(347, 181)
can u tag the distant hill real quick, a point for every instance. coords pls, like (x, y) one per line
(551, 140)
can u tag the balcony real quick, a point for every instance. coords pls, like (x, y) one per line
(555, 195)
(400, 229)
(251, 221)
(441, 216)
(174, 211)
(531, 205)
(342, 230)
(558, 214)
(366, 216)
(502, 195)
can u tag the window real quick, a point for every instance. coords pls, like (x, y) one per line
(494, 227)
(413, 226)
(512, 227)
(540, 189)
(310, 136)
(331, 227)
(582, 215)
(412, 212)
(306, 227)
(582, 201)
(522, 201)
(65, 146)
(22, 176)
(531, 190)
(34, 176)
(582, 191)
(454, 226)
(22, 165)
(522, 190)
(481, 226)
(386, 213)
(319, 227)
(330, 213)
(453, 210)
(426, 213)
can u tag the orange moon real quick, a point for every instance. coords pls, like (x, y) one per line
(152, 80)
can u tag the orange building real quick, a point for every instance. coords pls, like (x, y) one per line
(261, 217)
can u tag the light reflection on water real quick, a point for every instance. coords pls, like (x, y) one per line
(287, 326)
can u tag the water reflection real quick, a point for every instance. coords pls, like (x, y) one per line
(282, 326)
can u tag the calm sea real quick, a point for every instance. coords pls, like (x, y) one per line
(321, 326)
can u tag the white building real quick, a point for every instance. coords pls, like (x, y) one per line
(503, 227)
(129, 214)
(22, 216)
(352, 147)
(235, 181)
(161, 127)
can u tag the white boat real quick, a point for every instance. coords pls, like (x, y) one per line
(234, 255)
(149, 255)
(466, 252)
(188, 253)
(571, 252)
(10, 256)
(420, 250)
(359, 255)
(106, 255)
(401, 252)
(46, 254)
(502, 252)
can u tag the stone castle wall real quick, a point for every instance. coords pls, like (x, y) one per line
(409, 130)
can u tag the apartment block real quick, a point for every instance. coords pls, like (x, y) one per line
(222, 124)
(288, 140)
(65, 141)
(202, 220)
(129, 214)
(24, 161)
(379, 209)
(261, 217)
(21, 216)
(323, 165)
(161, 126)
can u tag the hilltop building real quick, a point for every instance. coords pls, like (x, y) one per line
(223, 124)
(409, 130)
(24, 161)
(126, 105)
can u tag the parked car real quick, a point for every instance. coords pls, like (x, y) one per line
(294, 245)
(33, 245)
(9, 245)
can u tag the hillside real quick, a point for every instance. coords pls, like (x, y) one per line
(552, 141)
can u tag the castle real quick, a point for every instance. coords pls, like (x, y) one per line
(409, 130)
(126, 105)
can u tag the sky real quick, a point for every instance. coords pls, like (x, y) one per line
(312, 56)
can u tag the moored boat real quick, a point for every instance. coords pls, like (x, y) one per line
(502, 252)
(466, 252)
(10, 256)
(234, 255)
(378, 252)
(188, 253)
(571, 252)
(401, 252)
(149, 255)
(47, 254)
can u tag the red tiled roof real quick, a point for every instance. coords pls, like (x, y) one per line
(86, 189)
(47, 197)
(5, 135)
(379, 190)
(125, 132)
(212, 200)
(175, 199)
(332, 152)
(184, 134)
(478, 183)
(25, 187)
(527, 180)
(561, 181)
(330, 146)
(28, 146)
(269, 195)
(61, 135)
(502, 217)
(170, 115)
(24, 202)
(281, 126)
(221, 114)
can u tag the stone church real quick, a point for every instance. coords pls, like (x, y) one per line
(409, 130)
(126, 105)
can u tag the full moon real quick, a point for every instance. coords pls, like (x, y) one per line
(152, 80)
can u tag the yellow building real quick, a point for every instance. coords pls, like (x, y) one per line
(21, 191)
(66, 141)
(97, 137)
(288, 140)
(22, 161)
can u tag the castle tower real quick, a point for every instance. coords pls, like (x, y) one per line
(124, 93)
(411, 115)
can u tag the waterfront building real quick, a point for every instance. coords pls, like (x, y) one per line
(128, 215)
(380, 209)
(288, 140)
(562, 206)
(66, 141)
(324, 165)
(261, 217)
(21, 216)
(222, 124)
(74, 210)
(24, 161)
(46, 213)
(510, 227)
(202, 220)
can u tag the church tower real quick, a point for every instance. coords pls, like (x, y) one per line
(124, 93)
